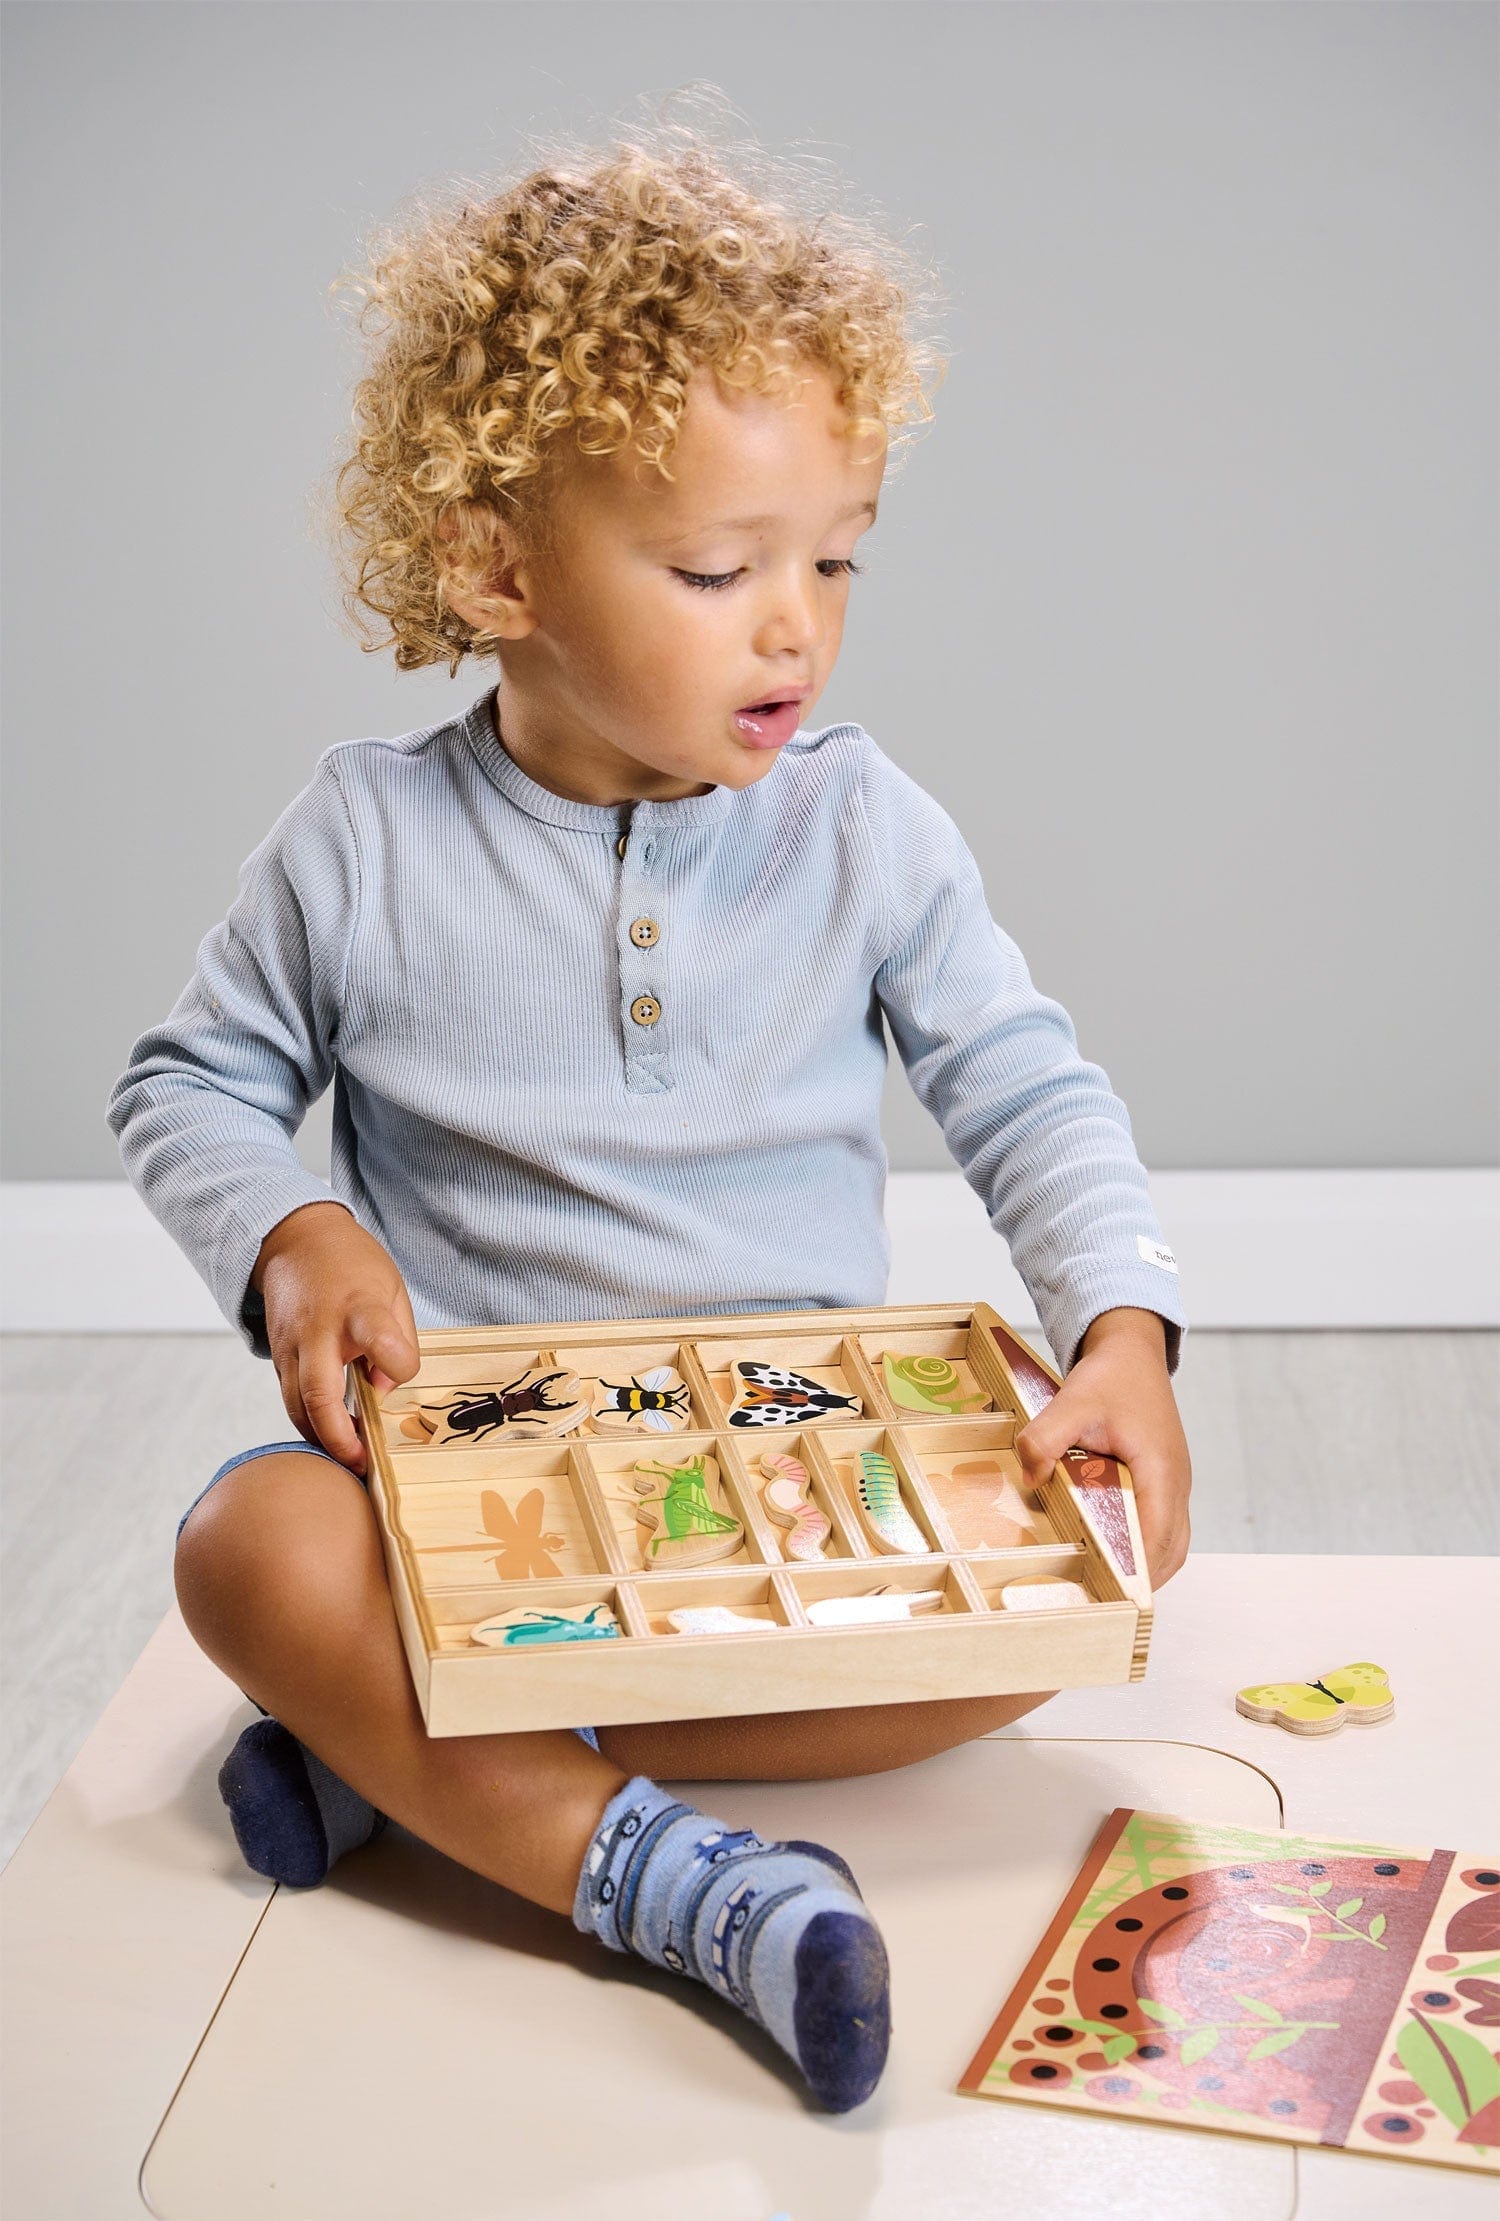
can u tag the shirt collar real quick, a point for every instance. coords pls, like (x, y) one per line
(560, 809)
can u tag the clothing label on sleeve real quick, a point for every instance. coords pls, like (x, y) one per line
(1154, 1254)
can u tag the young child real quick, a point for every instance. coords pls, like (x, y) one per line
(598, 971)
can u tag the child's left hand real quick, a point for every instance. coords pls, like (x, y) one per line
(1118, 1401)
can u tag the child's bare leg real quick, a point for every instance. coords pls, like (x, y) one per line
(282, 1582)
(809, 1746)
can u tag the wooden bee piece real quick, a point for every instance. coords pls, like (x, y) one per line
(656, 1403)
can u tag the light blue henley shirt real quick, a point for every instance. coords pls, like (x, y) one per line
(593, 1060)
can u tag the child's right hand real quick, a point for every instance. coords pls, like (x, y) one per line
(332, 1293)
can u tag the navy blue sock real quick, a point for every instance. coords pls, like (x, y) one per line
(779, 1929)
(292, 1816)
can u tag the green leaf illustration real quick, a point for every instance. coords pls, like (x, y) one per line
(1199, 2045)
(1278, 2040)
(1377, 1927)
(1168, 2015)
(1350, 1905)
(1319, 1889)
(1118, 2048)
(1485, 1966)
(1454, 2070)
(1259, 2007)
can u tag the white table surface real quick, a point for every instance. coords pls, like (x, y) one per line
(408, 2041)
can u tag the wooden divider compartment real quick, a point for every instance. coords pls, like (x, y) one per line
(611, 1462)
(1002, 1512)
(442, 1370)
(456, 1611)
(624, 1362)
(963, 1349)
(834, 1360)
(1060, 1561)
(744, 1453)
(886, 1576)
(837, 1451)
(757, 1595)
(523, 1513)
(454, 1560)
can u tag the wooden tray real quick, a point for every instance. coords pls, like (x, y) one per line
(568, 1531)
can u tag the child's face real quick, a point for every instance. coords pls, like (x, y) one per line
(621, 678)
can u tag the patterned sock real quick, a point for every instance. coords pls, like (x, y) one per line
(779, 1929)
(291, 1814)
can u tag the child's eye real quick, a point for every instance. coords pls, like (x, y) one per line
(832, 566)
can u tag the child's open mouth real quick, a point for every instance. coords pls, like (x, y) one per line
(767, 724)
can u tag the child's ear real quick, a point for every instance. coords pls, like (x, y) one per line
(479, 573)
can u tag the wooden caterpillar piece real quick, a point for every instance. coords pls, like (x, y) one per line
(787, 1500)
(879, 1492)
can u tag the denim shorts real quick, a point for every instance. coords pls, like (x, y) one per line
(268, 1449)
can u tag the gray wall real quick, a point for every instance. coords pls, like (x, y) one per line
(1187, 598)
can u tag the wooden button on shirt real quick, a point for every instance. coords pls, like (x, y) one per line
(645, 933)
(547, 1131)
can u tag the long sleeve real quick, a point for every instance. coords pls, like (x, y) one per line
(1037, 1132)
(210, 1098)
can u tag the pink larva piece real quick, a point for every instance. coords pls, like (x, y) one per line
(786, 1498)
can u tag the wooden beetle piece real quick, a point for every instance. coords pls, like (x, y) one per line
(543, 1401)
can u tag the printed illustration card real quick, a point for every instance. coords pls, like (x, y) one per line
(1314, 1991)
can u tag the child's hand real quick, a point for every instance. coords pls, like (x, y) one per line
(332, 1294)
(1118, 1401)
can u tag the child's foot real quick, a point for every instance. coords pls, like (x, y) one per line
(292, 1816)
(780, 1929)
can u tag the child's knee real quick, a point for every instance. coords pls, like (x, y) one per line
(276, 1534)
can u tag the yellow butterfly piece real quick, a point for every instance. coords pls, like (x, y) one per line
(1360, 1693)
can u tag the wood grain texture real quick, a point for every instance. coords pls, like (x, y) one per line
(94, 1484)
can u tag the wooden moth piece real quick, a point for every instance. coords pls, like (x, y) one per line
(553, 1623)
(930, 1384)
(787, 1501)
(773, 1396)
(656, 1402)
(1360, 1693)
(879, 1494)
(543, 1401)
(692, 1525)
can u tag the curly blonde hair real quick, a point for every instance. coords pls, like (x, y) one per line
(579, 299)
